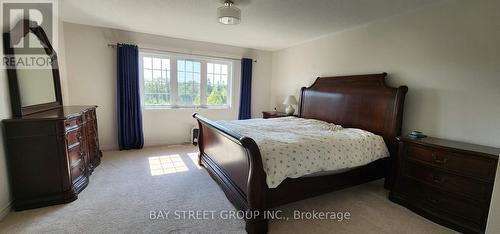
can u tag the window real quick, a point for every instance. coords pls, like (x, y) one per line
(156, 73)
(188, 82)
(171, 81)
(217, 80)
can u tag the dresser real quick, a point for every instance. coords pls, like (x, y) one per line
(446, 181)
(51, 155)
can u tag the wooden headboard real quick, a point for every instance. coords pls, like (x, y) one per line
(356, 101)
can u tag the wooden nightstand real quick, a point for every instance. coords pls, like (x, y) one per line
(446, 181)
(274, 114)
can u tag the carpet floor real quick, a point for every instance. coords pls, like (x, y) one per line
(129, 189)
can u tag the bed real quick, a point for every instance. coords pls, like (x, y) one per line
(358, 101)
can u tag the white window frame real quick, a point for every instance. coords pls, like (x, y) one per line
(141, 79)
(173, 80)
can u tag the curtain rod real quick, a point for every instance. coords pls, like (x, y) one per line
(175, 52)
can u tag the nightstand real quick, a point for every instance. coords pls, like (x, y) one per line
(446, 181)
(274, 114)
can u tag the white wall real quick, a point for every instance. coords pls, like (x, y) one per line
(91, 71)
(61, 55)
(5, 113)
(448, 55)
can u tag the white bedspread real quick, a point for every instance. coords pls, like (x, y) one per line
(294, 147)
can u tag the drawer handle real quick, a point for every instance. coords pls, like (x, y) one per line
(440, 161)
(80, 137)
(82, 153)
(433, 200)
(437, 180)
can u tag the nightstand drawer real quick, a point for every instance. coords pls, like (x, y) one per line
(465, 164)
(457, 184)
(448, 182)
(438, 202)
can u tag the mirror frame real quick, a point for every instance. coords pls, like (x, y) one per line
(27, 26)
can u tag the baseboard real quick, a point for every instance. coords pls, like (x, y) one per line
(163, 143)
(5, 210)
(109, 147)
(159, 144)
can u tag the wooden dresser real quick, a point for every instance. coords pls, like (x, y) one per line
(51, 155)
(446, 181)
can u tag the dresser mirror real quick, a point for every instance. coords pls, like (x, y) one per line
(34, 82)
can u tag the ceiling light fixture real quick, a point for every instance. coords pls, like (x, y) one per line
(229, 14)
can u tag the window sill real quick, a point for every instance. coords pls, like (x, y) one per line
(186, 107)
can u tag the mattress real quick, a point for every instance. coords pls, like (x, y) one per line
(293, 147)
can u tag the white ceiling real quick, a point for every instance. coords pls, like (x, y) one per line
(266, 24)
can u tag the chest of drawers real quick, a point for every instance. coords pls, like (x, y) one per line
(51, 155)
(446, 181)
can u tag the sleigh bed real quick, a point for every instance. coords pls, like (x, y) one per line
(357, 101)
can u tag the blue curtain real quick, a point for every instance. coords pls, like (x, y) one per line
(246, 89)
(130, 135)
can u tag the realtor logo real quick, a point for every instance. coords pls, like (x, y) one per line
(34, 11)
(25, 18)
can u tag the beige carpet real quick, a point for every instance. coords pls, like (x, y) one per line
(130, 184)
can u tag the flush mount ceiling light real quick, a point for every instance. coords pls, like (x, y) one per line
(228, 14)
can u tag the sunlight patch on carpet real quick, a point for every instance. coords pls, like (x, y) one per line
(167, 164)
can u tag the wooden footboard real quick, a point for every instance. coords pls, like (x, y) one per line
(234, 161)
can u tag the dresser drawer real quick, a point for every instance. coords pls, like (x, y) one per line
(78, 171)
(457, 184)
(464, 164)
(74, 137)
(448, 182)
(72, 123)
(76, 155)
(446, 204)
